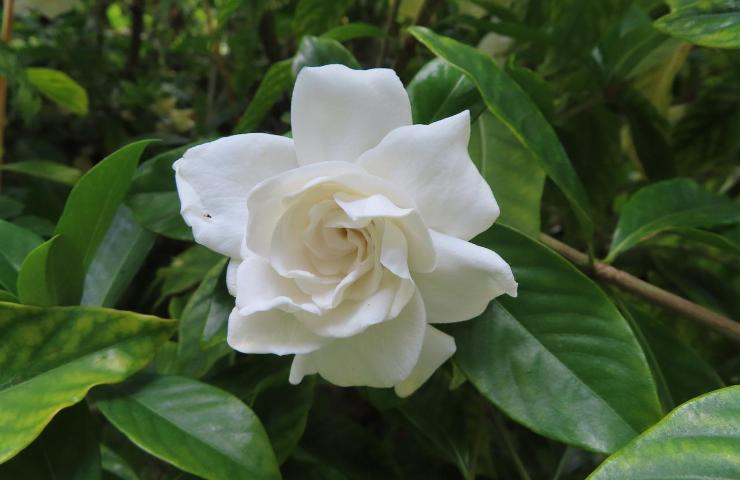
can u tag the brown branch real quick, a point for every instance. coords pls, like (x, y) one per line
(649, 292)
(7, 33)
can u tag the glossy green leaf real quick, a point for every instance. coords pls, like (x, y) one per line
(710, 23)
(186, 270)
(51, 274)
(16, 243)
(700, 439)
(159, 212)
(513, 108)
(194, 426)
(351, 31)
(60, 88)
(118, 258)
(316, 16)
(95, 198)
(115, 465)
(315, 52)
(54, 171)
(67, 449)
(677, 203)
(51, 357)
(438, 91)
(559, 358)
(277, 81)
(514, 175)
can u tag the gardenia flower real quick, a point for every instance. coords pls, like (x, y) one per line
(349, 241)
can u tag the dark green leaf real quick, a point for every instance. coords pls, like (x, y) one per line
(118, 258)
(351, 31)
(514, 175)
(54, 171)
(51, 357)
(51, 274)
(315, 52)
(710, 23)
(559, 358)
(115, 465)
(699, 439)
(196, 427)
(438, 91)
(678, 203)
(313, 17)
(59, 88)
(186, 270)
(95, 198)
(277, 81)
(513, 108)
(16, 244)
(159, 212)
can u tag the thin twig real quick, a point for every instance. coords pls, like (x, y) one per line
(653, 294)
(7, 33)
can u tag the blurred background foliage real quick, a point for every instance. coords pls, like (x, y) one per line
(631, 105)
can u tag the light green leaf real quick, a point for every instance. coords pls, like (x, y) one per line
(16, 244)
(95, 198)
(710, 23)
(67, 449)
(196, 427)
(118, 258)
(677, 203)
(559, 358)
(277, 81)
(315, 52)
(699, 439)
(52, 274)
(514, 175)
(351, 31)
(51, 357)
(515, 110)
(316, 16)
(59, 88)
(439, 91)
(54, 171)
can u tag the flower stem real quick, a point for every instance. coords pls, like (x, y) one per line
(7, 33)
(649, 292)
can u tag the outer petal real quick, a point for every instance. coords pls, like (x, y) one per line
(466, 279)
(337, 113)
(431, 163)
(437, 348)
(381, 356)
(274, 331)
(213, 180)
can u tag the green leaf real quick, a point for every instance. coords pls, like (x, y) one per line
(16, 244)
(277, 81)
(438, 91)
(159, 212)
(186, 270)
(67, 449)
(9, 207)
(351, 31)
(710, 23)
(677, 203)
(316, 16)
(513, 108)
(559, 358)
(699, 439)
(116, 465)
(514, 175)
(93, 202)
(315, 52)
(59, 88)
(192, 358)
(196, 427)
(7, 297)
(51, 357)
(118, 258)
(51, 274)
(54, 171)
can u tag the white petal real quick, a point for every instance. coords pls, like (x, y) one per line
(381, 356)
(431, 163)
(214, 179)
(337, 113)
(437, 348)
(231, 270)
(466, 279)
(274, 331)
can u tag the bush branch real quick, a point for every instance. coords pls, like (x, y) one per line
(649, 292)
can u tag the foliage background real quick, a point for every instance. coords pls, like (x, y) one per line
(647, 113)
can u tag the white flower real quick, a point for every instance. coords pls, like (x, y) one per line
(349, 241)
